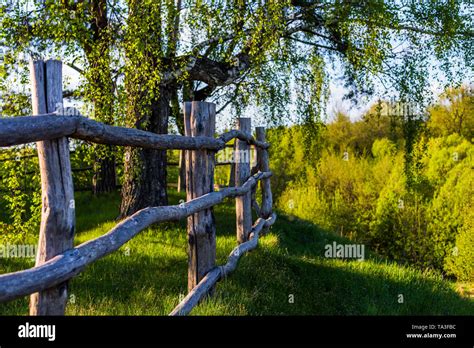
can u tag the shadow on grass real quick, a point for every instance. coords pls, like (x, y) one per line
(270, 278)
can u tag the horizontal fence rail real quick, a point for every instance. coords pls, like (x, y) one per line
(28, 129)
(58, 260)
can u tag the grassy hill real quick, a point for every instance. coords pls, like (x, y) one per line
(148, 275)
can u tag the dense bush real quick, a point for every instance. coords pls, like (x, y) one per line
(19, 193)
(20, 188)
(460, 262)
(366, 195)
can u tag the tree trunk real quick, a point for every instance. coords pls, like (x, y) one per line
(145, 169)
(178, 115)
(101, 92)
(104, 179)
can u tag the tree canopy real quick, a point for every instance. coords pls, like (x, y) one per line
(140, 59)
(246, 51)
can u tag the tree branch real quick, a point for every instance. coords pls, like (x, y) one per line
(312, 43)
(74, 67)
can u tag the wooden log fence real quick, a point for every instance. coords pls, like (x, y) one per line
(58, 261)
(72, 261)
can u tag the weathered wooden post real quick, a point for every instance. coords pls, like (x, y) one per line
(264, 166)
(200, 120)
(57, 192)
(243, 204)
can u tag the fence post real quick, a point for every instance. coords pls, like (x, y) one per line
(243, 204)
(264, 166)
(200, 120)
(57, 192)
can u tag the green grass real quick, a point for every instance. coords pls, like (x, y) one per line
(148, 274)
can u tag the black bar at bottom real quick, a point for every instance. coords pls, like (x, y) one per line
(347, 330)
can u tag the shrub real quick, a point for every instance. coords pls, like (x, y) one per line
(367, 197)
(460, 262)
(19, 194)
(383, 147)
